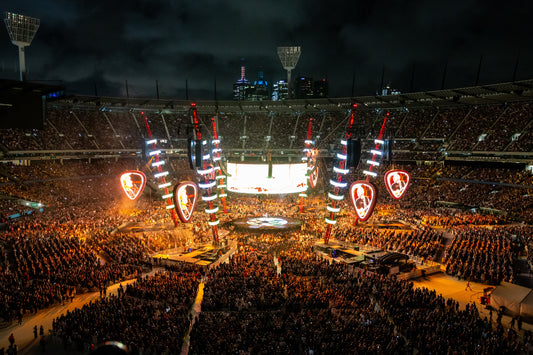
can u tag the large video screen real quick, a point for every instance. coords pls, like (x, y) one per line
(253, 178)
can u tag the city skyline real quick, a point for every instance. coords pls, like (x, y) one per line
(413, 46)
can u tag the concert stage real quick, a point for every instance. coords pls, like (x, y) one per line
(266, 223)
(364, 257)
(205, 255)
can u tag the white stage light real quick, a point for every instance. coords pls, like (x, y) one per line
(341, 156)
(338, 184)
(341, 171)
(207, 185)
(330, 221)
(335, 197)
(209, 198)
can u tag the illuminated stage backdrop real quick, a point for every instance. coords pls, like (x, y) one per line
(133, 183)
(397, 182)
(185, 198)
(363, 195)
(253, 178)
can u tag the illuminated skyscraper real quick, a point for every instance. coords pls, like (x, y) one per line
(260, 91)
(280, 90)
(303, 87)
(242, 87)
(321, 88)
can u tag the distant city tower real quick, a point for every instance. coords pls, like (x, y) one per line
(289, 58)
(21, 30)
(241, 87)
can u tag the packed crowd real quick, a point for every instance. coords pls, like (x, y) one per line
(486, 128)
(424, 242)
(481, 255)
(72, 245)
(275, 294)
(502, 192)
(317, 307)
(149, 316)
(44, 264)
(446, 220)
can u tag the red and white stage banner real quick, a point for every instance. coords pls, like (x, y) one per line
(364, 196)
(133, 183)
(397, 182)
(185, 199)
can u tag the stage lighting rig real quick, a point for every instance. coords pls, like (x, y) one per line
(21, 30)
(341, 170)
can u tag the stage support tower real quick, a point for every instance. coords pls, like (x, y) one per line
(376, 152)
(158, 162)
(21, 30)
(338, 184)
(219, 172)
(311, 162)
(207, 173)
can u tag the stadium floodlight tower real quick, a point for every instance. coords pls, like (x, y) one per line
(21, 30)
(289, 58)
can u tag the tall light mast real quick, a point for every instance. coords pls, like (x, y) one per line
(289, 58)
(21, 30)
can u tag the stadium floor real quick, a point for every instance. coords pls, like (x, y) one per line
(448, 286)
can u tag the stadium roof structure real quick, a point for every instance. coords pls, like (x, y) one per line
(27, 87)
(518, 91)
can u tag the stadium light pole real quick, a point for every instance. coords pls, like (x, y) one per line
(289, 58)
(21, 30)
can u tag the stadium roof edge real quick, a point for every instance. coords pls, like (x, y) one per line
(7, 85)
(518, 91)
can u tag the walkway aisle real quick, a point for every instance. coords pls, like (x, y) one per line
(452, 287)
(195, 311)
(23, 333)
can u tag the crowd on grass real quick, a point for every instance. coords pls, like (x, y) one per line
(482, 255)
(274, 295)
(150, 316)
(317, 307)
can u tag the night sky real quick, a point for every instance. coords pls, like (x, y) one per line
(83, 44)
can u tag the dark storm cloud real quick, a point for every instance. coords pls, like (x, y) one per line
(83, 43)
